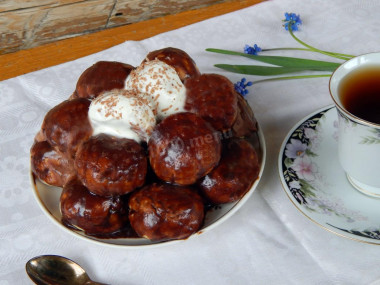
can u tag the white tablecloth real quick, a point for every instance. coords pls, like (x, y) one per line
(268, 241)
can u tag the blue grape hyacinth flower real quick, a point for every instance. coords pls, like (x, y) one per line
(241, 86)
(252, 49)
(292, 20)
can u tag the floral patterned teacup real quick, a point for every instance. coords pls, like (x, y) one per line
(359, 140)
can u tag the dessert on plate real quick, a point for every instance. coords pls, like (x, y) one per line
(150, 148)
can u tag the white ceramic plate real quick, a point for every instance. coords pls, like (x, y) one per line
(316, 184)
(48, 198)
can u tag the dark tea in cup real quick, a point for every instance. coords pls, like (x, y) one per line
(359, 93)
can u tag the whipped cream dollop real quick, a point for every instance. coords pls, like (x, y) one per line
(161, 83)
(124, 114)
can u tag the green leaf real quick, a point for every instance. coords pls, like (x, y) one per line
(310, 153)
(291, 77)
(288, 162)
(261, 70)
(370, 140)
(307, 188)
(307, 64)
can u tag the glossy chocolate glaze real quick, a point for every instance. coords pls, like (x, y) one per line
(183, 148)
(100, 77)
(178, 59)
(245, 122)
(110, 166)
(95, 215)
(51, 166)
(212, 97)
(67, 125)
(234, 175)
(126, 231)
(162, 212)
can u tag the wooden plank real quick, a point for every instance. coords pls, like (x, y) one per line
(25, 61)
(73, 19)
(17, 27)
(25, 28)
(127, 11)
(26, 24)
(11, 5)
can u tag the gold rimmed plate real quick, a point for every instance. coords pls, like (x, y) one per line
(316, 184)
(48, 198)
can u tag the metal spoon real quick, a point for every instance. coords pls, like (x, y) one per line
(54, 269)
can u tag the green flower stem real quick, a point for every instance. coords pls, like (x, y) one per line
(267, 70)
(285, 48)
(291, 77)
(336, 55)
(307, 49)
(307, 64)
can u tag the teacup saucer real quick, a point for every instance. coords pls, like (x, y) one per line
(316, 184)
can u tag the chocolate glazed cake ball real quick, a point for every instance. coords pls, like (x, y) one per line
(183, 148)
(89, 212)
(51, 166)
(67, 125)
(212, 97)
(163, 212)
(237, 170)
(178, 59)
(245, 122)
(102, 76)
(110, 166)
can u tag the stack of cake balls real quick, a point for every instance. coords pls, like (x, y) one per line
(144, 151)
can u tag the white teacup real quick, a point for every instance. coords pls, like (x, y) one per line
(359, 139)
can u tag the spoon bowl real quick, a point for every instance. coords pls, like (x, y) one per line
(54, 269)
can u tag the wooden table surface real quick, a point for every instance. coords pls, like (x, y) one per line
(37, 58)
